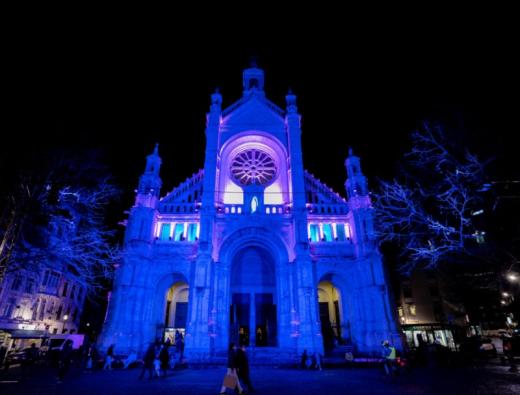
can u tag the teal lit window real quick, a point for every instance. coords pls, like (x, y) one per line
(192, 232)
(340, 232)
(179, 231)
(165, 231)
(327, 232)
(314, 230)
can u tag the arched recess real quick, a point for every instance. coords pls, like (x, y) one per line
(334, 310)
(253, 264)
(171, 306)
(253, 316)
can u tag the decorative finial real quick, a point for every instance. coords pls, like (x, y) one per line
(253, 62)
(156, 149)
(350, 151)
(216, 98)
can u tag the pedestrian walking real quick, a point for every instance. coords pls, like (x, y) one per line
(148, 359)
(65, 358)
(164, 358)
(303, 361)
(109, 358)
(243, 368)
(92, 358)
(317, 360)
(231, 380)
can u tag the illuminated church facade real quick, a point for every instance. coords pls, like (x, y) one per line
(251, 249)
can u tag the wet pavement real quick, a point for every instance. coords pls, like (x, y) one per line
(492, 379)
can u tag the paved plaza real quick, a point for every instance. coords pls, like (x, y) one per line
(482, 380)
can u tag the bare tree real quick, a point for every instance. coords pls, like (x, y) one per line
(429, 210)
(56, 220)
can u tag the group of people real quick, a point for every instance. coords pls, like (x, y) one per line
(158, 358)
(311, 361)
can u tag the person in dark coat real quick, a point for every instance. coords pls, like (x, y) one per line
(303, 361)
(243, 368)
(232, 367)
(64, 360)
(164, 357)
(148, 359)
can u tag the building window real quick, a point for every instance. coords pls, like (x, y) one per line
(42, 310)
(35, 310)
(29, 283)
(51, 279)
(58, 313)
(165, 231)
(65, 286)
(9, 308)
(178, 233)
(340, 232)
(400, 311)
(73, 292)
(75, 315)
(17, 282)
(411, 309)
(55, 331)
(314, 232)
(192, 232)
(327, 232)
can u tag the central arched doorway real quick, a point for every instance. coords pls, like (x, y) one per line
(252, 314)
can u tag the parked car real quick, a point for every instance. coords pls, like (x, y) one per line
(487, 348)
(511, 347)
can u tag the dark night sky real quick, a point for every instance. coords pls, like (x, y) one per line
(121, 92)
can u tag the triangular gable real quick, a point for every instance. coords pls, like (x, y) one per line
(253, 109)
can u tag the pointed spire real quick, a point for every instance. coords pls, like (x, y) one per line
(290, 99)
(356, 184)
(156, 149)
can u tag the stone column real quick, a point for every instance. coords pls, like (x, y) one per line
(252, 320)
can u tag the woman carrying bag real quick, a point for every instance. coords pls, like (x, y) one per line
(231, 379)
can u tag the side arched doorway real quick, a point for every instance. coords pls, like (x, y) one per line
(253, 315)
(172, 298)
(332, 318)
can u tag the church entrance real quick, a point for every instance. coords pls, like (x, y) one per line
(252, 314)
(329, 299)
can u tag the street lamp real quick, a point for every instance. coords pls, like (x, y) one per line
(65, 317)
(505, 294)
(512, 277)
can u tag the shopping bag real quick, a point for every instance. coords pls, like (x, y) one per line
(230, 381)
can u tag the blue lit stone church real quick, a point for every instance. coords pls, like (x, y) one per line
(252, 249)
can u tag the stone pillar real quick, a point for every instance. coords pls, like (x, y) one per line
(252, 320)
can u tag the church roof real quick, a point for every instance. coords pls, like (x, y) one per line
(184, 198)
(319, 193)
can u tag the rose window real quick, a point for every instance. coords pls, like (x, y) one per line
(253, 167)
